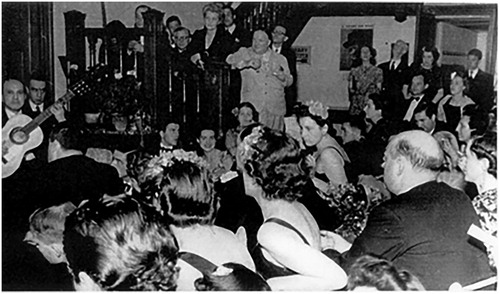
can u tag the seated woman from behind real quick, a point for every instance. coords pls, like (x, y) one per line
(118, 244)
(188, 203)
(289, 251)
(329, 157)
(370, 273)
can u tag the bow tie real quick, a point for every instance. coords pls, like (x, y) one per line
(416, 98)
(166, 149)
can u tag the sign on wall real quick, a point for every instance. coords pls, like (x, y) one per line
(302, 54)
(352, 38)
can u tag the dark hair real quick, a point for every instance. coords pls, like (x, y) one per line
(274, 160)
(357, 121)
(227, 6)
(37, 75)
(373, 53)
(69, 135)
(122, 244)
(478, 119)
(433, 50)
(255, 113)
(429, 108)
(419, 73)
(181, 28)
(240, 279)
(486, 147)
(302, 110)
(381, 274)
(187, 196)
(173, 18)
(377, 101)
(476, 52)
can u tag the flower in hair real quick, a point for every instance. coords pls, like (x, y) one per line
(235, 111)
(222, 271)
(316, 108)
(252, 139)
(156, 165)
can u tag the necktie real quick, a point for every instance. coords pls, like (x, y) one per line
(38, 110)
(392, 65)
(471, 74)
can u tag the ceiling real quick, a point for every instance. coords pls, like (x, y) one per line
(475, 17)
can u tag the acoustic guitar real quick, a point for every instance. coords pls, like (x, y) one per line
(21, 134)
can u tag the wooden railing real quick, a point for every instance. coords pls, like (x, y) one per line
(196, 99)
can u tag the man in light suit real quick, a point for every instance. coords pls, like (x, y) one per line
(480, 83)
(423, 228)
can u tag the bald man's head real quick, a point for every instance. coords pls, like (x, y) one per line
(260, 42)
(419, 147)
(14, 94)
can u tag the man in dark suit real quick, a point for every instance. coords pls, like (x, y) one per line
(36, 104)
(279, 39)
(423, 228)
(394, 71)
(419, 85)
(13, 99)
(424, 117)
(241, 37)
(480, 83)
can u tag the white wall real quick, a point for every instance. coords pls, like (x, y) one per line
(321, 80)
(189, 12)
(482, 43)
(454, 42)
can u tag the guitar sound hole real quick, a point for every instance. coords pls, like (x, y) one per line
(18, 136)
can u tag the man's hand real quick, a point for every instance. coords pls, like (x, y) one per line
(280, 74)
(58, 111)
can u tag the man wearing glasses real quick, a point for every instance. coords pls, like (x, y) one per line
(279, 38)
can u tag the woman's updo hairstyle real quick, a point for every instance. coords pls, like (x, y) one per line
(315, 110)
(122, 244)
(274, 160)
(187, 195)
(181, 187)
(485, 147)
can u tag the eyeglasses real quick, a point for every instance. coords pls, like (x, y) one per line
(279, 33)
(183, 38)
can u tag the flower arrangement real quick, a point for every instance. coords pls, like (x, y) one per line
(351, 205)
(119, 96)
(157, 164)
(316, 108)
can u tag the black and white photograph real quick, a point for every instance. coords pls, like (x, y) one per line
(249, 146)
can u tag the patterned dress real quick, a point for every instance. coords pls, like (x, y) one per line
(485, 205)
(364, 81)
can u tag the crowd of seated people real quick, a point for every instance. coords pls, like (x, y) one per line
(380, 196)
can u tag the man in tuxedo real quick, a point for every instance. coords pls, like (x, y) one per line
(480, 83)
(279, 39)
(423, 228)
(394, 71)
(417, 90)
(13, 98)
(171, 24)
(241, 37)
(170, 137)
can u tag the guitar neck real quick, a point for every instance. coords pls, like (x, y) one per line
(31, 126)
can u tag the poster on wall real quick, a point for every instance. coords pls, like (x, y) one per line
(302, 54)
(352, 38)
